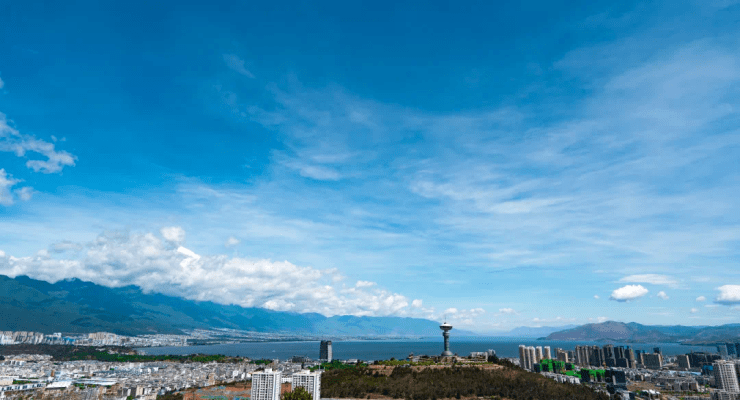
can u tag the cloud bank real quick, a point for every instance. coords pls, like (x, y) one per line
(161, 264)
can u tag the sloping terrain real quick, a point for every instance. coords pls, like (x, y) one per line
(75, 306)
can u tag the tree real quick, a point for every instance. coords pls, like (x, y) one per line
(298, 394)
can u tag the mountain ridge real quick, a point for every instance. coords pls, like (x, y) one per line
(76, 306)
(635, 332)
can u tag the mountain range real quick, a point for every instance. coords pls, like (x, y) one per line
(75, 306)
(531, 332)
(636, 333)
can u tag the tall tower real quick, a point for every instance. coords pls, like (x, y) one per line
(445, 327)
(325, 352)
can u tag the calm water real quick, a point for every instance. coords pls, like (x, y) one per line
(385, 349)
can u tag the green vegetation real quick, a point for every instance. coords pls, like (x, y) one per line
(170, 396)
(298, 394)
(338, 365)
(15, 382)
(457, 382)
(261, 362)
(396, 363)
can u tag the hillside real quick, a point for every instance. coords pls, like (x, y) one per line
(450, 382)
(634, 332)
(74, 306)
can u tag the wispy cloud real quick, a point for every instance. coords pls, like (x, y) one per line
(653, 279)
(11, 140)
(237, 64)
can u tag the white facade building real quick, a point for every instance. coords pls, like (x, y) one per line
(311, 381)
(725, 376)
(548, 352)
(266, 385)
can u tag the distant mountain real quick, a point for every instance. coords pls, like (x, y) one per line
(634, 332)
(74, 306)
(528, 331)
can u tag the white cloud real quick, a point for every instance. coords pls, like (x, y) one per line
(728, 294)
(662, 295)
(701, 298)
(173, 234)
(694, 310)
(596, 296)
(416, 303)
(24, 193)
(627, 293)
(361, 284)
(232, 241)
(2, 84)
(653, 279)
(507, 311)
(237, 64)
(13, 141)
(6, 182)
(156, 265)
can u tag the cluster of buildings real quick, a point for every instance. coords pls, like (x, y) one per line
(266, 385)
(96, 380)
(616, 366)
(91, 339)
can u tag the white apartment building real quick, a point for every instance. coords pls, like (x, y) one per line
(725, 376)
(266, 385)
(311, 381)
(548, 352)
(523, 356)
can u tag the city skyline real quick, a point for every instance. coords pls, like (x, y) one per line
(543, 164)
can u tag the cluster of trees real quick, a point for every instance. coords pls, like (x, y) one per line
(338, 365)
(453, 382)
(298, 394)
(394, 363)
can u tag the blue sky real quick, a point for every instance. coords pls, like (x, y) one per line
(534, 163)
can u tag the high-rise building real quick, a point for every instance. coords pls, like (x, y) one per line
(266, 385)
(683, 361)
(540, 355)
(547, 354)
(722, 350)
(652, 361)
(532, 357)
(523, 356)
(325, 352)
(725, 376)
(311, 381)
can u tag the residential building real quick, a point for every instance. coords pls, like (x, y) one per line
(547, 354)
(725, 376)
(266, 385)
(311, 381)
(683, 361)
(652, 361)
(523, 356)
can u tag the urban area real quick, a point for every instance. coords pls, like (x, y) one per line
(617, 371)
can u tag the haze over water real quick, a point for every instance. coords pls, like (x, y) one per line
(383, 350)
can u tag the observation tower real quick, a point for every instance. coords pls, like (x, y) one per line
(445, 327)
